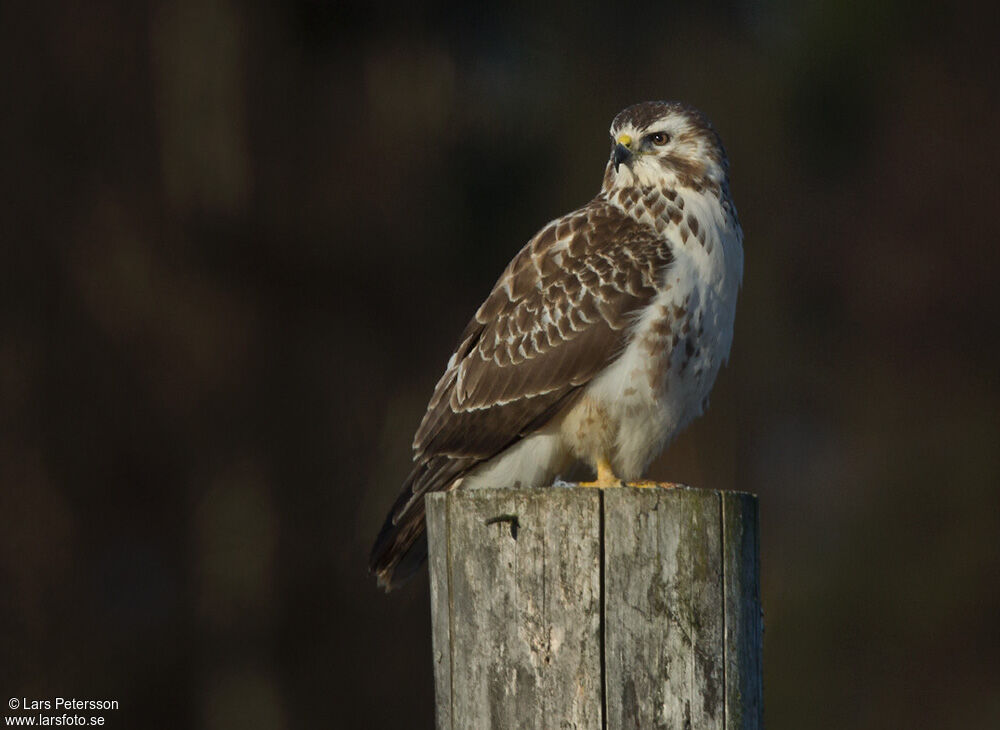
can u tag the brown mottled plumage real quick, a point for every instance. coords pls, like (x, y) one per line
(592, 311)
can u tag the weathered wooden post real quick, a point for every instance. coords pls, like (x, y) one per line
(589, 608)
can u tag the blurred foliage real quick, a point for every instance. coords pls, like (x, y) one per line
(223, 223)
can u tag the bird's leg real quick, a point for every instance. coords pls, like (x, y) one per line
(605, 476)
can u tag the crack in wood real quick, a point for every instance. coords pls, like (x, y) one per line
(509, 519)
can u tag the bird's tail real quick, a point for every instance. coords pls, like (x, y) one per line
(401, 547)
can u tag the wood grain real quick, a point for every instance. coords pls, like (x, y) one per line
(593, 609)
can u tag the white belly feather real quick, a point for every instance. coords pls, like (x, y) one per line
(662, 380)
(660, 383)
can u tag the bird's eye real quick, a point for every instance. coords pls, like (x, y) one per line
(659, 138)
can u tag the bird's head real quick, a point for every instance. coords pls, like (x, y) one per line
(664, 144)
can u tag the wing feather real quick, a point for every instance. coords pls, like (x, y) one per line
(513, 361)
(557, 316)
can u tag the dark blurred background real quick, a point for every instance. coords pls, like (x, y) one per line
(239, 241)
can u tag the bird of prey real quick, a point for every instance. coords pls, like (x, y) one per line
(600, 341)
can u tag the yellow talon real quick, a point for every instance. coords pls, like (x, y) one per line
(646, 484)
(605, 476)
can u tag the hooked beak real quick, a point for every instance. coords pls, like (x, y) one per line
(620, 155)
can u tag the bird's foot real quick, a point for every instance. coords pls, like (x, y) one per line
(597, 483)
(605, 477)
(647, 484)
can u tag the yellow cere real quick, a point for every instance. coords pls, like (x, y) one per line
(625, 139)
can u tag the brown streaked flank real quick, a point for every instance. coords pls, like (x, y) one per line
(572, 360)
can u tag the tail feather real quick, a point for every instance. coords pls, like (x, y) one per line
(400, 549)
(401, 546)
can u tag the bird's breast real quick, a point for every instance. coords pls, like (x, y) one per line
(662, 379)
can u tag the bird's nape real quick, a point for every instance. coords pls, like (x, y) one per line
(601, 340)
